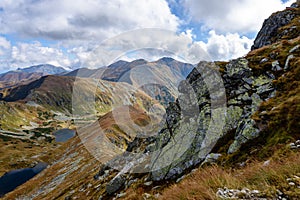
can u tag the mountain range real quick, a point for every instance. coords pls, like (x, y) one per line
(32, 72)
(230, 130)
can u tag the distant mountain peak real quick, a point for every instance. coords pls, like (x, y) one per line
(32, 72)
(45, 69)
(118, 63)
(166, 59)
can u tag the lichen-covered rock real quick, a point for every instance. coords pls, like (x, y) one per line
(276, 66)
(115, 184)
(211, 158)
(189, 137)
(246, 131)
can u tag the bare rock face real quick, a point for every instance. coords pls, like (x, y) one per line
(270, 31)
(115, 184)
(244, 93)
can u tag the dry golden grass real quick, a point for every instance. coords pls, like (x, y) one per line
(204, 183)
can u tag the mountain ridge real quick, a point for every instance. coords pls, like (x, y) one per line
(28, 74)
(262, 95)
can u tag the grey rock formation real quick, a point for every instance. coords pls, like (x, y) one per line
(271, 26)
(115, 184)
(187, 139)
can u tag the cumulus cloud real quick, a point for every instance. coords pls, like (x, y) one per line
(77, 25)
(225, 47)
(26, 54)
(4, 45)
(77, 28)
(142, 43)
(243, 16)
(82, 19)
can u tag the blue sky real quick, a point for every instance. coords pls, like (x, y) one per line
(67, 32)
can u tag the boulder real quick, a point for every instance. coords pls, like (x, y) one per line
(115, 184)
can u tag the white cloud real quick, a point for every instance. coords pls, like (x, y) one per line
(77, 25)
(143, 43)
(83, 19)
(225, 47)
(80, 25)
(27, 54)
(243, 16)
(4, 45)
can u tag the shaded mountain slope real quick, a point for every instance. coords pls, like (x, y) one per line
(55, 92)
(14, 76)
(21, 92)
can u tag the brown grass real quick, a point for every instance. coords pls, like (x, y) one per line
(204, 183)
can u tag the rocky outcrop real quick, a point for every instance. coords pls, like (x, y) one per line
(271, 30)
(191, 132)
(214, 109)
(115, 184)
(210, 106)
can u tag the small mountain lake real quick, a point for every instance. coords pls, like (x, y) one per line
(64, 135)
(10, 180)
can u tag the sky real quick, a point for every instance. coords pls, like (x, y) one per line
(95, 33)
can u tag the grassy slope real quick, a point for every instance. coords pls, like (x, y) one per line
(17, 153)
(76, 167)
(203, 183)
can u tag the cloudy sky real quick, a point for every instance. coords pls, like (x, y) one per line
(83, 33)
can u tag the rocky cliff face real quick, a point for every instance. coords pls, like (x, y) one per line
(244, 91)
(274, 29)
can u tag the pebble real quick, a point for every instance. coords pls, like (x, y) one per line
(148, 183)
(121, 195)
(292, 184)
(266, 163)
(286, 66)
(225, 193)
(264, 60)
(131, 182)
(276, 66)
(295, 145)
(294, 49)
(156, 187)
(146, 196)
